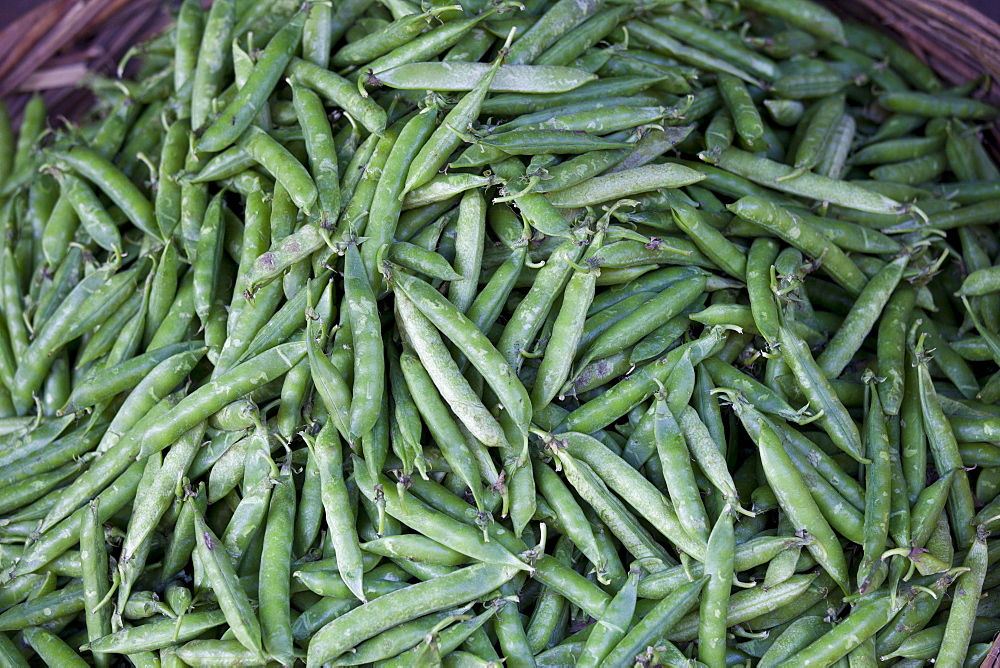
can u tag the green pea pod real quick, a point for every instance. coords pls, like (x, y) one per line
(340, 92)
(408, 603)
(454, 447)
(944, 449)
(386, 201)
(95, 218)
(222, 578)
(639, 386)
(93, 553)
(211, 396)
(473, 343)
(385, 39)
(863, 622)
(434, 153)
(622, 523)
(110, 180)
(158, 633)
(835, 419)
(121, 442)
(283, 254)
(320, 147)
(458, 535)
(340, 520)
(65, 601)
(281, 164)
(369, 356)
(52, 649)
(252, 97)
(796, 501)
(612, 626)
(666, 614)
(878, 494)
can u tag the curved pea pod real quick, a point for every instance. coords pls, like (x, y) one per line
(470, 233)
(559, 20)
(536, 209)
(415, 258)
(808, 86)
(944, 449)
(638, 491)
(444, 371)
(786, 113)
(158, 633)
(444, 640)
(118, 187)
(420, 517)
(981, 282)
(92, 214)
(678, 472)
(284, 253)
(435, 151)
(863, 622)
(455, 447)
(661, 42)
(712, 243)
(443, 187)
(624, 183)
(416, 547)
(207, 399)
(878, 495)
(748, 604)
(912, 172)
(665, 614)
(52, 649)
(636, 539)
(341, 92)
(216, 653)
(802, 235)
(835, 419)
(253, 95)
(936, 105)
(93, 553)
(867, 309)
(65, 601)
(796, 501)
(457, 76)
(431, 43)
(656, 311)
(612, 626)
(580, 168)
(385, 39)
(219, 573)
(281, 164)
(405, 604)
(121, 442)
(809, 16)
(639, 386)
(796, 636)
(812, 186)
(473, 344)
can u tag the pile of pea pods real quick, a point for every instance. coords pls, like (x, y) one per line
(573, 333)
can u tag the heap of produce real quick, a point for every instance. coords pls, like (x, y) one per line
(545, 334)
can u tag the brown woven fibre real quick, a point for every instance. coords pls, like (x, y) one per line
(53, 47)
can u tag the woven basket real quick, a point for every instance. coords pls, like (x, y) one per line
(53, 47)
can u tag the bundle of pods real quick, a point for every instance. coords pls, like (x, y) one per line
(565, 333)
